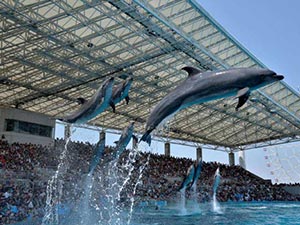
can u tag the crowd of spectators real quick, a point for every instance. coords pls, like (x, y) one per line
(26, 170)
(165, 175)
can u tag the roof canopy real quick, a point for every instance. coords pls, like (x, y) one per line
(53, 52)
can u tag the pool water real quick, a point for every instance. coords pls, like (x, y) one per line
(229, 213)
(237, 213)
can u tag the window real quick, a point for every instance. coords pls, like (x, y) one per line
(28, 128)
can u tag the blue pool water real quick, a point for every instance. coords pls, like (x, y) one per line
(240, 213)
(230, 213)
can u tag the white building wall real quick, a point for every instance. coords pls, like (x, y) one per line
(242, 159)
(27, 116)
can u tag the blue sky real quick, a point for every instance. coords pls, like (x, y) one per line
(270, 30)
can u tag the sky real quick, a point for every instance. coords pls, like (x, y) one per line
(270, 30)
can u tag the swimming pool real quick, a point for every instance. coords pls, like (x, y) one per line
(230, 213)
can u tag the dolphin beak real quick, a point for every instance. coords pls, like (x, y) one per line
(278, 77)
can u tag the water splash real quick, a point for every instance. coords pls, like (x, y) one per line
(183, 210)
(55, 187)
(215, 204)
(88, 185)
(196, 208)
(119, 181)
(106, 196)
(141, 170)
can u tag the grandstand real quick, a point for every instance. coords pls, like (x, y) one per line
(53, 52)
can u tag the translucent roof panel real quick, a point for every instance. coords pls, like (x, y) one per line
(53, 52)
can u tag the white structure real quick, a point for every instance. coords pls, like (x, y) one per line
(231, 158)
(242, 159)
(26, 127)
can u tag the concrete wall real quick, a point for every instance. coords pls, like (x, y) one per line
(22, 115)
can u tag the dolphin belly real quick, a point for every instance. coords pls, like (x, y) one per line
(197, 173)
(188, 179)
(124, 94)
(193, 100)
(94, 113)
(98, 154)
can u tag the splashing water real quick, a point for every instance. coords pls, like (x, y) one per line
(196, 208)
(141, 170)
(88, 185)
(106, 196)
(183, 210)
(55, 187)
(215, 204)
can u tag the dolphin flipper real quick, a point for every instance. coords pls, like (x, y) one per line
(127, 99)
(243, 96)
(146, 137)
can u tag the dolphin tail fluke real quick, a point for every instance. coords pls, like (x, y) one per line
(147, 137)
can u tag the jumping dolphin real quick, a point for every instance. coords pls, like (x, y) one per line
(120, 92)
(188, 178)
(216, 181)
(98, 153)
(197, 172)
(126, 135)
(202, 87)
(93, 107)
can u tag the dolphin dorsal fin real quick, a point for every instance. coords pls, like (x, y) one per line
(191, 70)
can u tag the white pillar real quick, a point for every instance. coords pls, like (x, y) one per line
(134, 143)
(67, 133)
(102, 135)
(231, 158)
(242, 159)
(167, 149)
(199, 154)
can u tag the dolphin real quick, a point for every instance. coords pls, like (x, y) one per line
(201, 87)
(197, 172)
(94, 106)
(216, 181)
(121, 144)
(188, 178)
(120, 92)
(98, 154)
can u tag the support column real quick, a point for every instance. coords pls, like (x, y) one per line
(231, 158)
(242, 159)
(199, 154)
(102, 135)
(167, 149)
(67, 133)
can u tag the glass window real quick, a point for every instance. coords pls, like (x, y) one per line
(23, 127)
(10, 125)
(28, 128)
